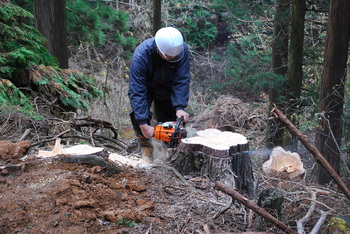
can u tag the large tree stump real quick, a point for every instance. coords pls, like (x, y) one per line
(223, 156)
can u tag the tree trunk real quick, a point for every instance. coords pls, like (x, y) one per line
(44, 21)
(274, 133)
(295, 63)
(157, 15)
(222, 156)
(60, 37)
(50, 20)
(328, 137)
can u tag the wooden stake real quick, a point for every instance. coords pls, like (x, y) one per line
(277, 114)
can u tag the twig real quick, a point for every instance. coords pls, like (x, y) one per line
(301, 222)
(91, 138)
(319, 223)
(223, 210)
(277, 114)
(185, 225)
(257, 209)
(62, 133)
(96, 123)
(25, 134)
(173, 170)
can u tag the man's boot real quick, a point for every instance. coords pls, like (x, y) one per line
(146, 148)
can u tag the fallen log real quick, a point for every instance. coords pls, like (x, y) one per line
(251, 205)
(277, 114)
(221, 155)
(84, 154)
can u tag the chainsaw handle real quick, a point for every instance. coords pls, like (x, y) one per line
(177, 127)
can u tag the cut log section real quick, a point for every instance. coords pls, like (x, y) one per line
(85, 154)
(222, 155)
(284, 164)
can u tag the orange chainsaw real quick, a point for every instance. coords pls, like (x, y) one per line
(170, 133)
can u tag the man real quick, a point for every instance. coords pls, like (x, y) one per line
(159, 74)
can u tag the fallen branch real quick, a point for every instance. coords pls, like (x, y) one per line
(175, 172)
(301, 222)
(95, 123)
(223, 209)
(251, 205)
(319, 223)
(277, 114)
(25, 135)
(121, 146)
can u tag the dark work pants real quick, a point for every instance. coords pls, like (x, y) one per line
(163, 110)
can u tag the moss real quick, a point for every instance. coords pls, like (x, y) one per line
(339, 224)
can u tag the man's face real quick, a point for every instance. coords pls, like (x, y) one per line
(166, 57)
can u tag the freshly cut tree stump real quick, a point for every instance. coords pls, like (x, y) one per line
(223, 156)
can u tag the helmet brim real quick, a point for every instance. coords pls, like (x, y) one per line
(178, 57)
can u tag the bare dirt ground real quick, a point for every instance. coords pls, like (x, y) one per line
(50, 196)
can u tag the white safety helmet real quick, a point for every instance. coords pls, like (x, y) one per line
(170, 43)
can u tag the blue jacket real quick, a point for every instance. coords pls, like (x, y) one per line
(153, 78)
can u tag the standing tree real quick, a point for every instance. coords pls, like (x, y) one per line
(295, 63)
(60, 35)
(44, 21)
(157, 15)
(328, 137)
(274, 134)
(50, 20)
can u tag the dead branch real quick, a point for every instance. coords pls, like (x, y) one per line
(96, 123)
(25, 135)
(223, 209)
(175, 172)
(301, 222)
(277, 114)
(251, 205)
(320, 222)
(116, 144)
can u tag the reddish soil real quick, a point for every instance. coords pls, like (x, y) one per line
(50, 196)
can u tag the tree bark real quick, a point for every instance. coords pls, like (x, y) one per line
(60, 33)
(50, 20)
(222, 157)
(157, 15)
(328, 137)
(274, 132)
(295, 63)
(44, 21)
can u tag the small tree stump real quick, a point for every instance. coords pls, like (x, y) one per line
(223, 156)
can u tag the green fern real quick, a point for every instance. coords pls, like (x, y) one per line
(13, 100)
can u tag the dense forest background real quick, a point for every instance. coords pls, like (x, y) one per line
(264, 53)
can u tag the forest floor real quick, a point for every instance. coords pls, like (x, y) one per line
(44, 195)
(50, 196)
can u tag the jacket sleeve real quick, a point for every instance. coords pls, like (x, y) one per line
(137, 88)
(181, 83)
